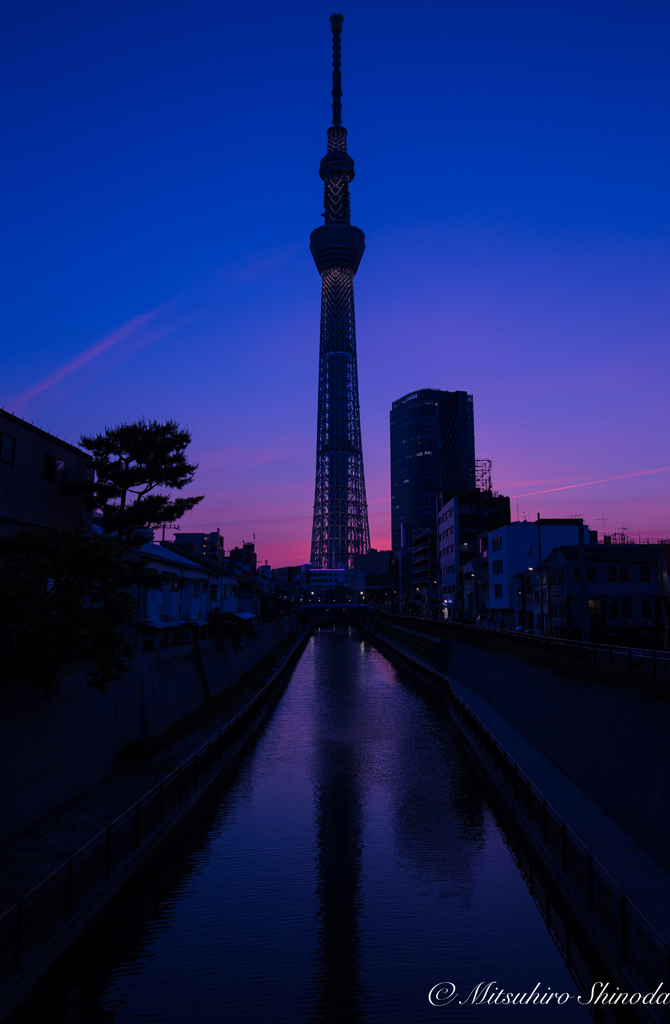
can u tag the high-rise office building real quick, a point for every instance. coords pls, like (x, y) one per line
(432, 453)
(340, 528)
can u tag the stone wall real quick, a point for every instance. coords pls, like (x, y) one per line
(52, 751)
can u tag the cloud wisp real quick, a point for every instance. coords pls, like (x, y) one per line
(150, 327)
(588, 483)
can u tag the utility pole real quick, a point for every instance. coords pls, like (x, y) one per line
(539, 548)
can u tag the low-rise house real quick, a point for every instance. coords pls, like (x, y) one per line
(34, 465)
(521, 547)
(624, 589)
(186, 592)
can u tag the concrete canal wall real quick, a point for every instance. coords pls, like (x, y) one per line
(612, 742)
(52, 751)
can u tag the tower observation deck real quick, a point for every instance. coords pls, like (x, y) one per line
(340, 528)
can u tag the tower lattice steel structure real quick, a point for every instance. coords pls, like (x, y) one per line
(340, 528)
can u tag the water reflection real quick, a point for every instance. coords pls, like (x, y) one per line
(339, 796)
(352, 863)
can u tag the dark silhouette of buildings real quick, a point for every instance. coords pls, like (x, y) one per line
(34, 466)
(244, 556)
(461, 521)
(432, 453)
(206, 545)
(340, 528)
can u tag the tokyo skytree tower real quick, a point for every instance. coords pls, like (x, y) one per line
(340, 528)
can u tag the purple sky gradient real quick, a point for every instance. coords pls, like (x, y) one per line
(519, 252)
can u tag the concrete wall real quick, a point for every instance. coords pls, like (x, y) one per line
(52, 751)
(612, 744)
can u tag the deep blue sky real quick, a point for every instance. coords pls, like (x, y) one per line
(512, 181)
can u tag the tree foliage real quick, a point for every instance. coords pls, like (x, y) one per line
(63, 598)
(131, 460)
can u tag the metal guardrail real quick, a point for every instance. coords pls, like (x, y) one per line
(607, 655)
(639, 942)
(28, 923)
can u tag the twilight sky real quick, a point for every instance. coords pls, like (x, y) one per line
(159, 184)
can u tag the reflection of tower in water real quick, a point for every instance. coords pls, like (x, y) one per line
(340, 994)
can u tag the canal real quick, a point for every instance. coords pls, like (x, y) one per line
(351, 863)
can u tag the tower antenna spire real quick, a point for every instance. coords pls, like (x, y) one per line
(336, 28)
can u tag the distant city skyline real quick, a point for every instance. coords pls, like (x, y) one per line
(157, 205)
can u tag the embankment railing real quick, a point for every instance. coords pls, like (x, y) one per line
(29, 922)
(606, 655)
(639, 943)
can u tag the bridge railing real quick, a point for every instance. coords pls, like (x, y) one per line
(29, 922)
(607, 655)
(639, 943)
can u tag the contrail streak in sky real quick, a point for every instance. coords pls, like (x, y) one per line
(218, 286)
(588, 483)
(90, 353)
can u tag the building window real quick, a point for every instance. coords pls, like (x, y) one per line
(624, 574)
(644, 573)
(591, 574)
(552, 577)
(561, 576)
(54, 469)
(614, 610)
(646, 610)
(626, 612)
(497, 589)
(7, 449)
(537, 597)
(594, 607)
(196, 590)
(496, 544)
(497, 567)
(213, 591)
(578, 575)
(611, 573)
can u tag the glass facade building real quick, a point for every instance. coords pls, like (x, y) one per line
(432, 453)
